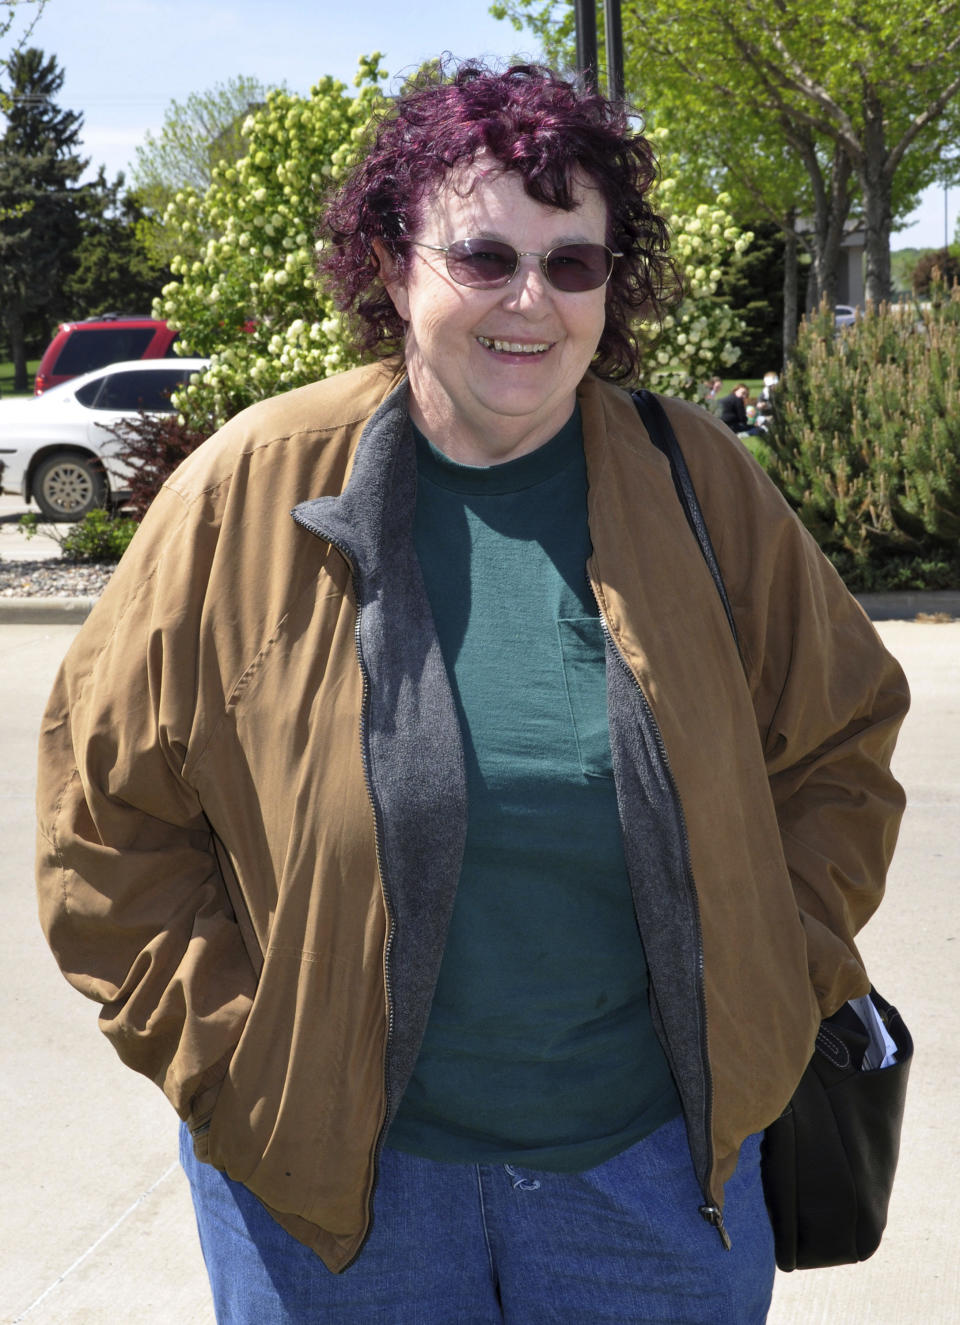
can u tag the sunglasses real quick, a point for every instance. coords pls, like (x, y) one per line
(486, 264)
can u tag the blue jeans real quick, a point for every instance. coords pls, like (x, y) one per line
(480, 1244)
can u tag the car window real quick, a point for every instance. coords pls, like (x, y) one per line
(93, 347)
(134, 390)
(87, 394)
(170, 352)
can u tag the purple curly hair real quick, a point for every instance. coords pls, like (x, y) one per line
(542, 126)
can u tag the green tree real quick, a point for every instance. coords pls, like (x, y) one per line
(8, 17)
(111, 268)
(752, 284)
(39, 195)
(857, 94)
(197, 135)
(902, 263)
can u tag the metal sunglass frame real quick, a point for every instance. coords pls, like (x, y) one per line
(544, 258)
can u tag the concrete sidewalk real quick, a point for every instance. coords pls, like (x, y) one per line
(96, 1224)
(14, 545)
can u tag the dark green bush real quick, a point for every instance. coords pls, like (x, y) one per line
(865, 442)
(937, 266)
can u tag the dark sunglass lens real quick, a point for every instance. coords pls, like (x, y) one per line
(481, 262)
(578, 267)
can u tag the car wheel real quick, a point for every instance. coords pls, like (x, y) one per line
(68, 485)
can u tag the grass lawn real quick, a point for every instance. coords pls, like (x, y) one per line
(753, 384)
(6, 377)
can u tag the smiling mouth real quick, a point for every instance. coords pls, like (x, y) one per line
(513, 346)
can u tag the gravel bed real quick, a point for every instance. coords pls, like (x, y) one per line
(54, 578)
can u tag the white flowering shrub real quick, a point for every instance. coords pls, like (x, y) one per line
(698, 338)
(251, 301)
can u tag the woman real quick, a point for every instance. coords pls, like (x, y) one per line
(473, 902)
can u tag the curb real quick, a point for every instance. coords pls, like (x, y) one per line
(878, 607)
(44, 611)
(907, 606)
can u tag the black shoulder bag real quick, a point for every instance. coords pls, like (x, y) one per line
(829, 1160)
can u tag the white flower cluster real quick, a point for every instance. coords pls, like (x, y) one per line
(244, 291)
(699, 337)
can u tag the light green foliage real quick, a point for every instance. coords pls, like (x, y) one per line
(20, 17)
(698, 338)
(770, 88)
(197, 135)
(902, 264)
(11, 10)
(250, 299)
(866, 442)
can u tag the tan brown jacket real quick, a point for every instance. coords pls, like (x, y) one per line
(252, 805)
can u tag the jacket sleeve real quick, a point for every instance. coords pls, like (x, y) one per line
(829, 701)
(131, 898)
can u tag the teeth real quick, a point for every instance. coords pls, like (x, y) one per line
(513, 346)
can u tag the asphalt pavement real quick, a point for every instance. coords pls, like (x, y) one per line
(96, 1224)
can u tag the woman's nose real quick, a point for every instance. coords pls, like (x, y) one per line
(528, 283)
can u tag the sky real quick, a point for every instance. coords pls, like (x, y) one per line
(126, 60)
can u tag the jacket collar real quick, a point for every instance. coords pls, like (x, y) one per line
(375, 510)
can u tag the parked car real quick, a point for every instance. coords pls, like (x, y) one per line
(80, 347)
(56, 448)
(844, 315)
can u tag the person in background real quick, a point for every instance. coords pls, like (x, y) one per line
(732, 409)
(408, 806)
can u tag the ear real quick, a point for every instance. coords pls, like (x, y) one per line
(394, 283)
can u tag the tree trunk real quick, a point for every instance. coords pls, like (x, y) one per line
(876, 187)
(833, 225)
(791, 284)
(13, 321)
(876, 210)
(831, 207)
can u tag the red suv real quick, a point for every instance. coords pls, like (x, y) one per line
(81, 347)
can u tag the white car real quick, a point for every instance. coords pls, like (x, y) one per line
(56, 448)
(844, 315)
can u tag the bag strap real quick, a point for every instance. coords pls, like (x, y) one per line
(654, 418)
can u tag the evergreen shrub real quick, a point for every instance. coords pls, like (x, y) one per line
(865, 442)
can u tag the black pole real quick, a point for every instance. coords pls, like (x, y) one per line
(613, 28)
(585, 16)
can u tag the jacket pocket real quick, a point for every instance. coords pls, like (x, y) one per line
(582, 653)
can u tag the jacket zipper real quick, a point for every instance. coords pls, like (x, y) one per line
(377, 841)
(708, 1211)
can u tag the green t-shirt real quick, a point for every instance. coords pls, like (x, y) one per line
(539, 1048)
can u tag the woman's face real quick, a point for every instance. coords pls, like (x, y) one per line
(493, 373)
